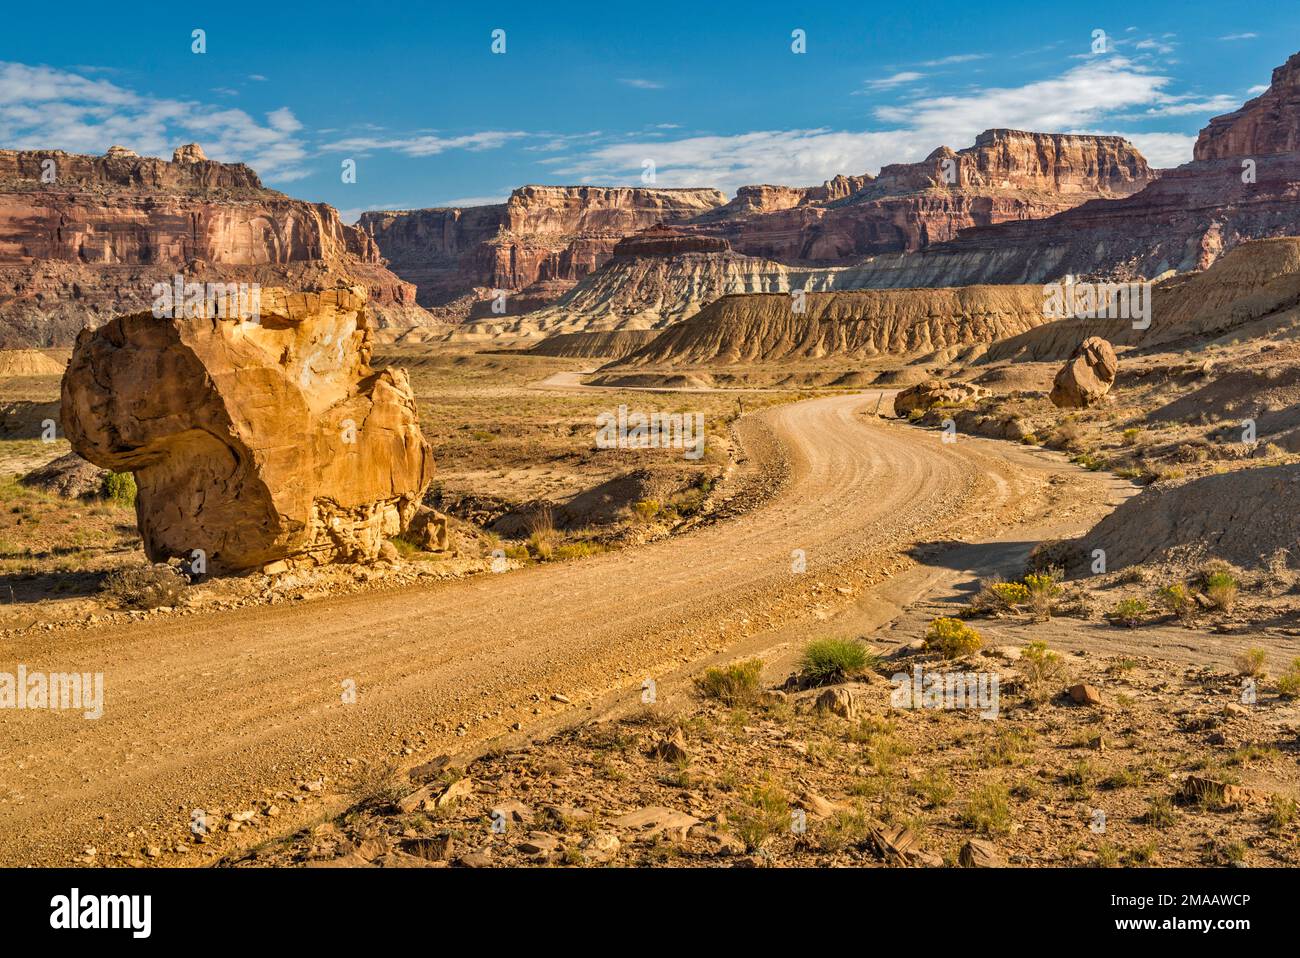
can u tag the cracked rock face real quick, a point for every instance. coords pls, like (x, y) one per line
(257, 442)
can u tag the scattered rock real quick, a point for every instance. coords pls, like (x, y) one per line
(655, 820)
(1084, 694)
(977, 853)
(840, 701)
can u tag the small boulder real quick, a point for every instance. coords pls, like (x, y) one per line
(925, 396)
(1085, 694)
(977, 853)
(1087, 376)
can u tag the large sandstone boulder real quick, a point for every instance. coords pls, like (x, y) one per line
(935, 392)
(1087, 376)
(253, 441)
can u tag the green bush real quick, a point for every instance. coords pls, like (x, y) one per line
(119, 487)
(1221, 589)
(1129, 612)
(826, 661)
(1012, 594)
(1177, 598)
(953, 638)
(1288, 683)
(1043, 589)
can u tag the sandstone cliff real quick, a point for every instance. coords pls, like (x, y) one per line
(543, 235)
(1181, 222)
(1007, 175)
(545, 239)
(1270, 123)
(83, 238)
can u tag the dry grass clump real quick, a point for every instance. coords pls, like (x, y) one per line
(827, 661)
(734, 684)
(145, 587)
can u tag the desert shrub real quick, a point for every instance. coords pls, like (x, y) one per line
(764, 814)
(1011, 594)
(519, 552)
(934, 787)
(645, 510)
(144, 587)
(1044, 588)
(119, 487)
(989, 810)
(1043, 669)
(1288, 683)
(734, 684)
(1160, 812)
(1130, 436)
(826, 661)
(576, 550)
(953, 638)
(1221, 590)
(1177, 599)
(1250, 662)
(1128, 612)
(846, 827)
(1282, 812)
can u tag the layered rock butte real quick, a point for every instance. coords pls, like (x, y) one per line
(258, 443)
(1243, 184)
(91, 244)
(537, 244)
(543, 240)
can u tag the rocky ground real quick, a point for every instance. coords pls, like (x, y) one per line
(1091, 760)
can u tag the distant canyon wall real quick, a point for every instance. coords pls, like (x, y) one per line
(85, 238)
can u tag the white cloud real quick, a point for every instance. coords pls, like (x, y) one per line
(1162, 150)
(642, 84)
(957, 58)
(1240, 36)
(1081, 99)
(791, 157)
(1081, 96)
(47, 108)
(426, 145)
(898, 79)
(1257, 89)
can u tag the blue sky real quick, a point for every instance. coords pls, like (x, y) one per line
(587, 93)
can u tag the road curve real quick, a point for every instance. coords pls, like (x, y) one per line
(223, 710)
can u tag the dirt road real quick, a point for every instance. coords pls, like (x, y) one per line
(226, 711)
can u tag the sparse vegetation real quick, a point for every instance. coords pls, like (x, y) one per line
(1177, 599)
(989, 810)
(734, 684)
(1044, 589)
(1288, 683)
(1129, 612)
(764, 814)
(119, 488)
(826, 661)
(952, 638)
(145, 587)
